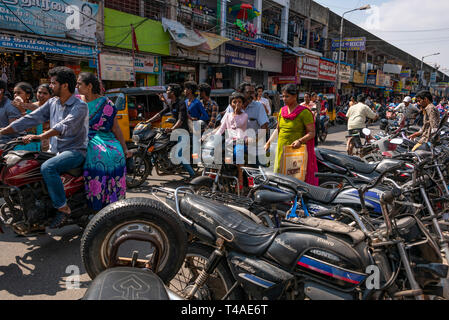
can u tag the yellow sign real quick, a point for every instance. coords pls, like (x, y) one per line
(358, 77)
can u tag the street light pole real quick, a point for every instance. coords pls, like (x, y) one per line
(366, 7)
(421, 74)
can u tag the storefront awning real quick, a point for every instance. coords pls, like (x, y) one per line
(213, 41)
(182, 35)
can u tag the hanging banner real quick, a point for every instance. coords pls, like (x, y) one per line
(116, 67)
(327, 70)
(406, 73)
(240, 56)
(147, 64)
(358, 77)
(74, 19)
(345, 73)
(213, 41)
(350, 44)
(308, 66)
(371, 77)
(392, 68)
(383, 80)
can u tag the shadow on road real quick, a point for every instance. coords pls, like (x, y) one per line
(42, 269)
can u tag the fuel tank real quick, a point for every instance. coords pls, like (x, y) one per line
(322, 256)
(22, 173)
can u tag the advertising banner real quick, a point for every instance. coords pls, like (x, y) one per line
(383, 80)
(239, 56)
(406, 73)
(371, 77)
(345, 73)
(350, 44)
(73, 19)
(327, 70)
(47, 46)
(392, 68)
(116, 67)
(147, 64)
(358, 77)
(308, 66)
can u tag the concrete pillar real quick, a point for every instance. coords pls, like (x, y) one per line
(309, 25)
(284, 23)
(223, 20)
(259, 6)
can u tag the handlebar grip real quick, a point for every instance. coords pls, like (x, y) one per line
(389, 196)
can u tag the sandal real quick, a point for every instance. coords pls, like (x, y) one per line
(59, 220)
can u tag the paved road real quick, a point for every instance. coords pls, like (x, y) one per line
(39, 267)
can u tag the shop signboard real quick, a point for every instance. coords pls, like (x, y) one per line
(383, 80)
(285, 80)
(433, 77)
(240, 56)
(327, 70)
(308, 66)
(392, 68)
(350, 44)
(148, 64)
(371, 77)
(73, 19)
(345, 73)
(406, 73)
(358, 77)
(46, 46)
(116, 67)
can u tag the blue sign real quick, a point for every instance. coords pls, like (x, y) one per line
(47, 46)
(240, 56)
(350, 44)
(73, 19)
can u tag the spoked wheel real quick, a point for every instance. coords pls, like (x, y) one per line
(140, 172)
(217, 284)
(323, 135)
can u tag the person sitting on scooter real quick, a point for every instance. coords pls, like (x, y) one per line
(69, 120)
(357, 115)
(8, 113)
(179, 111)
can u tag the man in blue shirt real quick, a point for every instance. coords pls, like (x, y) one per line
(69, 122)
(8, 113)
(195, 108)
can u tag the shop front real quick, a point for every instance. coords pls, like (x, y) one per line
(242, 61)
(148, 69)
(179, 73)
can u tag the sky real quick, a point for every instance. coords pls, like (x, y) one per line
(419, 27)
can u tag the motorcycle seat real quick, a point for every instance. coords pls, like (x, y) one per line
(126, 283)
(268, 197)
(247, 236)
(312, 192)
(75, 172)
(346, 161)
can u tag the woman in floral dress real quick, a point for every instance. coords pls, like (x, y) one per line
(105, 165)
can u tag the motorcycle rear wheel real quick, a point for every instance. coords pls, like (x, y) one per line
(218, 283)
(141, 215)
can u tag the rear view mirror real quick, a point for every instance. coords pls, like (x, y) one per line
(366, 131)
(397, 141)
(170, 120)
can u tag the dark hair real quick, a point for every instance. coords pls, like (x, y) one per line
(64, 75)
(191, 85)
(86, 5)
(242, 86)
(313, 94)
(25, 86)
(260, 86)
(237, 95)
(89, 78)
(204, 87)
(424, 94)
(176, 88)
(46, 86)
(3, 85)
(361, 98)
(291, 89)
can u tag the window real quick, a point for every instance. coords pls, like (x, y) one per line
(118, 99)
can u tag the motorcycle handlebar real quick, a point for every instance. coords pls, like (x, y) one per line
(389, 196)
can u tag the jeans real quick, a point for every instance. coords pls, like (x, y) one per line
(51, 171)
(322, 118)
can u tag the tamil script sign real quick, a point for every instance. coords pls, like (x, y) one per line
(240, 56)
(308, 66)
(350, 44)
(371, 77)
(327, 70)
(116, 67)
(74, 19)
(47, 46)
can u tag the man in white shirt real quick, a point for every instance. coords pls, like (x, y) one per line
(357, 115)
(265, 102)
(407, 109)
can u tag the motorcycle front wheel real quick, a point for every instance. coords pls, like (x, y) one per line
(217, 285)
(142, 169)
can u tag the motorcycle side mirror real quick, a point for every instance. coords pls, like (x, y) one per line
(140, 117)
(170, 120)
(366, 131)
(397, 141)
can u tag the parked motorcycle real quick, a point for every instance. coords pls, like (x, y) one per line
(28, 208)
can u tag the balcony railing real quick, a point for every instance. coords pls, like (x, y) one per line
(194, 19)
(232, 31)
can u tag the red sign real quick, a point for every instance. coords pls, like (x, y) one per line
(308, 67)
(327, 71)
(286, 80)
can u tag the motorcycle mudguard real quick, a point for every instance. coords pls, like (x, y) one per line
(202, 181)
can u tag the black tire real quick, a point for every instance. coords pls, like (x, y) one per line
(107, 224)
(323, 135)
(203, 183)
(142, 169)
(199, 254)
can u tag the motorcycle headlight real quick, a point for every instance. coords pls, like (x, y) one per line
(12, 159)
(136, 138)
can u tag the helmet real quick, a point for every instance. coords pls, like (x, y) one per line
(383, 124)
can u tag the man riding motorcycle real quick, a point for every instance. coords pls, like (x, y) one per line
(69, 120)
